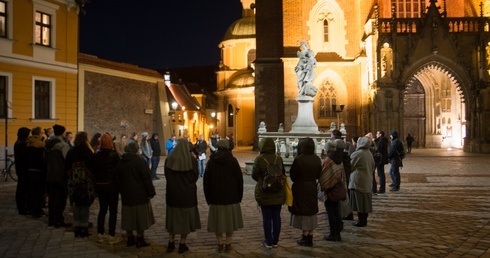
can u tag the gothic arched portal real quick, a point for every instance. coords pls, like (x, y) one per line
(434, 109)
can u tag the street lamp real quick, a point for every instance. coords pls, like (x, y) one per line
(338, 111)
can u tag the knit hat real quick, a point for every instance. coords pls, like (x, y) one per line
(106, 142)
(144, 134)
(223, 144)
(340, 144)
(58, 129)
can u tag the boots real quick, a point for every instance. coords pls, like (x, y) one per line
(141, 242)
(303, 241)
(131, 241)
(85, 232)
(309, 241)
(361, 220)
(78, 231)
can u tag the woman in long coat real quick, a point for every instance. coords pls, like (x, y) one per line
(182, 212)
(223, 189)
(360, 182)
(304, 172)
(136, 190)
(81, 183)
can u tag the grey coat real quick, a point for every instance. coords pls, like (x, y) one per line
(362, 161)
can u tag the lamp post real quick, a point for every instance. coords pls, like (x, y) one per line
(338, 111)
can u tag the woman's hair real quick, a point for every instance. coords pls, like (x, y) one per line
(81, 139)
(95, 140)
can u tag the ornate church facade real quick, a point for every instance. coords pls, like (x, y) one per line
(420, 67)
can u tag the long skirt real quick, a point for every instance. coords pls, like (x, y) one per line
(182, 221)
(361, 202)
(224, 218)
(139, 217)
(305, 223)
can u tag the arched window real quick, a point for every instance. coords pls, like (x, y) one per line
(230, 116)
(327, 96)
(325, 30)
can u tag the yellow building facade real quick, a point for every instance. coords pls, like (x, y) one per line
(38, 65)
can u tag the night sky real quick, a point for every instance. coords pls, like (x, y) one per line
(157, 33)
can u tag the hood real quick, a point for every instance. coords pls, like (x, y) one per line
(221, 156)
(394, 134)
(336, 155)
(363, 143)
(267, 146)
(23, 133)
(35, 141)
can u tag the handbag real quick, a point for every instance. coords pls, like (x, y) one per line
(289, 193)
(337, 193)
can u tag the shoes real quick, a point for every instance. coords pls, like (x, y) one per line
(131, 241)
(113, 240)
(170, 247)
(183, 248)
(77, 231)
(228, 248)
(266, 245)
(303, 241)
(275, 245)
(141, 242)
(359, 224)
(349, 217)
(381, 191)
(395, 189)
(85, 232)
(101, 238)
(221, 248)
(309, 240)
(391, 185)
(332, 238)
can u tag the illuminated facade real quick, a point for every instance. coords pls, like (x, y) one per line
(415, 66)
(38, 65)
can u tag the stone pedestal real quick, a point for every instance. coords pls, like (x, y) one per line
(305, 122)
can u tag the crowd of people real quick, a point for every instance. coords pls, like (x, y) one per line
(52, 169)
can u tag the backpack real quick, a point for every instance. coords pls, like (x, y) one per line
(401, 152)
(274, 180)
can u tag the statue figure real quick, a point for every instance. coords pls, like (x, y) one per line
(305, 71)
(262, 128)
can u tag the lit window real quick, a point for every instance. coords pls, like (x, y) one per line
(42, 99)
(325, 31)
(327, 96)
(3, 19)
(407, 8)
(43, 29)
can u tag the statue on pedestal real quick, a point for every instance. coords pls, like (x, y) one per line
(305, 71)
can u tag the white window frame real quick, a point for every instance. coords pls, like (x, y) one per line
(52, 97)
(47, 8)
(9, 93)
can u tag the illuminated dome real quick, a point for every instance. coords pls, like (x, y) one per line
(241, 81)
(241, 29)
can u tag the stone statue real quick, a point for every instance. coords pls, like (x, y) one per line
(262, 128)
(305, 71)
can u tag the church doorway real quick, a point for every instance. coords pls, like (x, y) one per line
(434, 108)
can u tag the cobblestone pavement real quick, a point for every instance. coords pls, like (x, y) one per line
(442, 210)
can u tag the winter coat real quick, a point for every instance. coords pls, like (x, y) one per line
(104, 166)
(267, 150)
(35, 153)
(155, 146)
(382, 148)
(223, 179)
(305, 171)
(54, 156)
(362, 161)
(181, 187)
(134, 179)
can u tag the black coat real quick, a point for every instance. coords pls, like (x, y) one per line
(304, 172)
(181, 187)
(134, 178)
(223, 179)
(382, 148)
